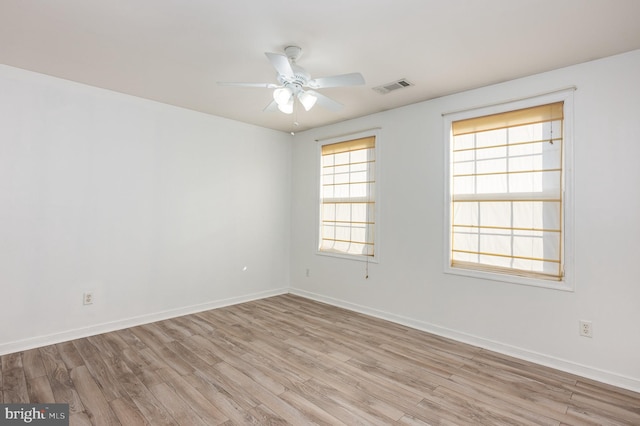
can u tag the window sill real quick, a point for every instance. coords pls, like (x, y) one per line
(512, 279)
(358, 258)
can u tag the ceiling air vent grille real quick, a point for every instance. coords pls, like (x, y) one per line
(390, 87)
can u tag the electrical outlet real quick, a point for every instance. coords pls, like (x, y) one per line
(308, 273)
(87, 298)
(586, 328)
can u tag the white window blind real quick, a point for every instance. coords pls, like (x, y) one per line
(507, 192)
(347, 205)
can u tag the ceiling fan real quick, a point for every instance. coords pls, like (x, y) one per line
(295, 83)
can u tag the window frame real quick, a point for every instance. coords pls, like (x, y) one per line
(376, 196)
(567, 218)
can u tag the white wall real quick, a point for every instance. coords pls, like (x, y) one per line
(409, 286)
(156, 209)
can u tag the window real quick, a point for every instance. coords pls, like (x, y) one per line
(347, 197)
(507, 181)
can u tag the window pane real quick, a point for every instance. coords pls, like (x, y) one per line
(347, 197)
(507, 190)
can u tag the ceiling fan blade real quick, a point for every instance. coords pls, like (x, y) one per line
(262, 85)
(273, 106)
(325, 101)
(352, 79)
(280, 63)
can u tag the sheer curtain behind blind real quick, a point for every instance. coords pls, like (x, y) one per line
(506, 195)
(347, 205)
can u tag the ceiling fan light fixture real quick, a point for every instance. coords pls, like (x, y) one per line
(295, 84)
(307, 100)
(282, 96)
(287, 108)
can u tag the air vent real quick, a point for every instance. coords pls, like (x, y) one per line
(390, 87)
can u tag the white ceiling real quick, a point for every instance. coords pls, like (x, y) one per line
(174, 51)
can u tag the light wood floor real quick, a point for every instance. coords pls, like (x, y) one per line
(289, 360)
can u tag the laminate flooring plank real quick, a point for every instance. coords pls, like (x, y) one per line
(522, 390)
(207, 411)
(226, 385)
(151, 337)
(607, 393)
(141, 368)
(435, 361)
(32, 364)
(318, 397)
(109, 344)
(615, 410)
(413, 421)
(339, 405)
(364, 399)
(197, 346)
(262, 395)
(166, 353)
(521, 409)
(174, 329)
(39, 390)
(187, 355)
(62, 386)
(302, 364)
(307, 316)
(266, 354)
(99, 369)
(268, 378)
(436, 408)
(149, 406)
(432, 364)
(487, 410)
(197, 324)
(177, 407)
(128, 413)
(79, 419)
(224, 401)
(441, 346)
(154, 361)
(283, 371)
(14, 380)
(312, 413)
(69, 354)
(130, 339)
(406, 377)
(281, 327)
(371, 388)
(584, 416)
(518, 382)
(325, 343)
(95, 404)
(137, 395)
(526, 368)
(292, 413)
(267, 417)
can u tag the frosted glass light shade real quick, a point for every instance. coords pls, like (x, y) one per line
(282, 95)
(287, 108)
(307, 100)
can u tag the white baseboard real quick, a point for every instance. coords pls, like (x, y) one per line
(39, 341)
(524, 354)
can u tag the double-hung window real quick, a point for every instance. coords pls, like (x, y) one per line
(506, 192)
(347, 197)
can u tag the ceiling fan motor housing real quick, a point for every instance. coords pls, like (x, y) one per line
(299, 78)
(293, 53)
